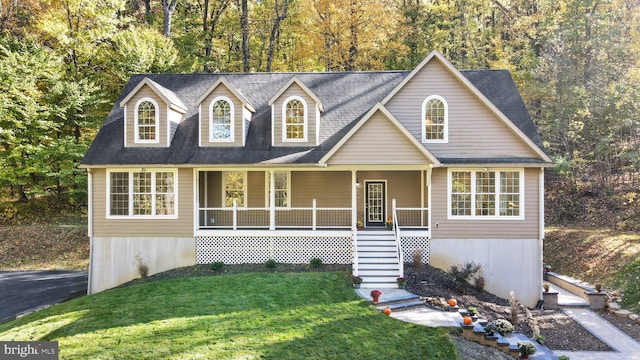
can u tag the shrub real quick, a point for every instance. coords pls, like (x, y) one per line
(463, 273)
(479, 281)
(270, 264)
(143, 268)
(527, 347)
(417, 257)
(514, 307)
(504, 327)
(315, 263)
(217, 266)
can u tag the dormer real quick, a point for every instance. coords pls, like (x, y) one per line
(295, 115)
(151, 115)
(224, 115)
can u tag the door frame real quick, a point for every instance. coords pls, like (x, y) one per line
(366, 202)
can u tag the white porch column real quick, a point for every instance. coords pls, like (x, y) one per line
(272, 200)
(354, 200)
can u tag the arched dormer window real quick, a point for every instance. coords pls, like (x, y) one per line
(435, 120)
(147, 121)
(221, 119)
(294, 119)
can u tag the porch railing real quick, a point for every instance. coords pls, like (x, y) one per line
(411, 217)
(283, 218)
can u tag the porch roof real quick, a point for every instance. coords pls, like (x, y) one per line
(346, 97)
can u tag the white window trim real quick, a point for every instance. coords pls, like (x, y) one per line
(267, 178)
(153, 192)
(244, 188)
(136, 135)
(231, 117)
(284, 119)
(445, 138)
(497, 215)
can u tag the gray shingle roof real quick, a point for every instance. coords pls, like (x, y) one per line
(346, 96)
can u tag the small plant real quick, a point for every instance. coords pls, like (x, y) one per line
(357, 280)
(490, 329)
(359, 224)
(547, 268)
(315, 263)
(513, 302)
(217, 266)
(598, 287)
(472, 310)
(375, 293)
(539, 338)
(465, 272)
(504, 327)
(479, 281)
(417, 257)
(546, 287)
(401, 281)
(270, 264)
(563, 357)
(527, 347)
(389, 223)
(143, 268)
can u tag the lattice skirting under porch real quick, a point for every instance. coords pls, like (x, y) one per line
(411, 243)
(283, 249)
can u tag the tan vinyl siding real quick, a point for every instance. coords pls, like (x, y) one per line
(159, 227)
(256, 189)
(404, 186)
(205, 118)
(295, 90)
(145, 91)
(474, 131)
(213, 193)
(375, 143)
(330, 189)
(443, 228)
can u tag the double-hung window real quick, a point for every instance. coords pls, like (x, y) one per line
(294, 127)
(142, 193)
(235, 188)
(147, 121)
(486, 194)
(282, 181)
(221, 120)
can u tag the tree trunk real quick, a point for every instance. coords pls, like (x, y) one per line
(147, 11)
(274, 31)
(168, 9)
(209, 26)
(244, 25)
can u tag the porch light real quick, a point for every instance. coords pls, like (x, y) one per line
(357, 182)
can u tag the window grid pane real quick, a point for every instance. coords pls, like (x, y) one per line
(119, 194)
(221, 120)
(165, 197)
(234, 188)
(142, 196)
(461, 193)
(434, 120)
(510, 193)
(281, 189)
(485, 193)
(146, 121)
(294, 123)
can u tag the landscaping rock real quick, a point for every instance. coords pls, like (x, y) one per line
(622, 313)
(613, 306)
(634, 317)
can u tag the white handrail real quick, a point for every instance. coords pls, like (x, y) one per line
(396, 229)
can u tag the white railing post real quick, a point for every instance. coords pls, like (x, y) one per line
(397, 236)
(235, 214)
(272, 201)
(314, 215)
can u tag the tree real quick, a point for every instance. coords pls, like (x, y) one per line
(168, 7)
(280, 14)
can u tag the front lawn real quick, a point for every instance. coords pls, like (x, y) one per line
(254, 315)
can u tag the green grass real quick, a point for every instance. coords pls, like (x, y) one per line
(313, 315)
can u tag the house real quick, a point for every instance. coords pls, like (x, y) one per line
(242, 168)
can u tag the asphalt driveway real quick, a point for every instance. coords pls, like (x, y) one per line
(24, 291)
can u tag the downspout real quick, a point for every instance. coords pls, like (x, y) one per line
(541, 220)
(90, 225)
(354, 219)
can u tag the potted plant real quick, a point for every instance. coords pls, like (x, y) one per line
(526, 348)
(547, 268)
(357, 280)
(389, 223)
(504, 327)
(472, 311)
(401, 282)
(489, 329)
(598, 287)
(375, 295)
(359, 225)
(545, 286)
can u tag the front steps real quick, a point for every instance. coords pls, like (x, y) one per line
(378, 262)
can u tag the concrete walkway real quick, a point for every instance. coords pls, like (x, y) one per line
(626, 347)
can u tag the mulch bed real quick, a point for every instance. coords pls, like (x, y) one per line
(559, 331)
